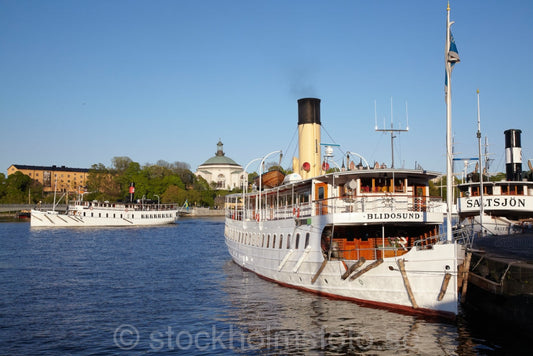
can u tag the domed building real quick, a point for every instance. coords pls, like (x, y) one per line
(221, 170)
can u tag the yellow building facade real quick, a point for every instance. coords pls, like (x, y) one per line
(62, 179)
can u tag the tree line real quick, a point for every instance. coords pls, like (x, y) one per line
(162, 182)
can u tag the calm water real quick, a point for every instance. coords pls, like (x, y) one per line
(174, 289)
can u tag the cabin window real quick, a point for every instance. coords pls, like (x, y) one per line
(132, 216)
(288, 241)
(297, 241)
(366, 185)
(320, 193)
(106, 215)
(92, 215)
(263, 241)
(268, 240)
(274, 241)
(306, 239)
(281, 241)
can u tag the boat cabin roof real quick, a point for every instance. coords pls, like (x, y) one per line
(503, 183)
(419, 176)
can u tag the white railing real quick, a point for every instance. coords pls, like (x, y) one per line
(342, 205)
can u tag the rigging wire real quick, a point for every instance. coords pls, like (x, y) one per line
(288, 146)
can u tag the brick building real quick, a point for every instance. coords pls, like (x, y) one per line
(67, 179)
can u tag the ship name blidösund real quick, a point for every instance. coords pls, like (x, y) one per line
(393, 216)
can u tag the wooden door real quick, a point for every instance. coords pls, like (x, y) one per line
(321, 198)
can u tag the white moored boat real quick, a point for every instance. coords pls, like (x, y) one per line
(96, 214)
(504, 207)
(370, 235)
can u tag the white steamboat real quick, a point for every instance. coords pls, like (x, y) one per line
(367, 235)
(98, 214)
(504, 207)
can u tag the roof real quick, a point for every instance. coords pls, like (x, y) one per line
(50, 168)
(220, 158)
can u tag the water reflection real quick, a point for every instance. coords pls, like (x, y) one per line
(275, 319)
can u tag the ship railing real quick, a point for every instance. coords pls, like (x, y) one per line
(369, 253)
(270, 213)
(374, 203)
(462, 236)
(379, 202)
(129, 206)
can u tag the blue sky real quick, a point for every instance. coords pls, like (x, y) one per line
(85, 81)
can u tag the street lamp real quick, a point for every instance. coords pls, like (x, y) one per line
(358, 155)
(261, 179)
(245, 187)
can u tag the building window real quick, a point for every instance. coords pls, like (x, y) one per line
(221, 181)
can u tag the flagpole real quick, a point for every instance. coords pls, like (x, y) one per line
(450, 58)
(449, 158)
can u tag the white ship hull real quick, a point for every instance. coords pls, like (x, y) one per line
(102, 215)
(384, 285)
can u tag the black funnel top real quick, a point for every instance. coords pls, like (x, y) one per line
(308, 111)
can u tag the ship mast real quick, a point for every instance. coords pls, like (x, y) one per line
(451, 57)
(480, 167)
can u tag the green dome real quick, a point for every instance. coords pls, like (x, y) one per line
(220, 158)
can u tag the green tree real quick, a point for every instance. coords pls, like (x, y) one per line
(15, 188)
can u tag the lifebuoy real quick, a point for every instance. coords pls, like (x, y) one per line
(257, 216)
(296, 212)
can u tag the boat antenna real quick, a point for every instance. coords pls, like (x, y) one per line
(392, 130)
